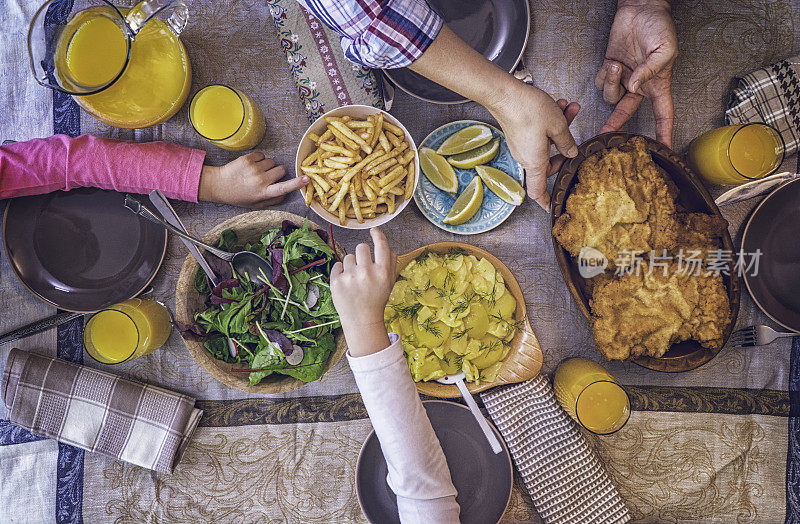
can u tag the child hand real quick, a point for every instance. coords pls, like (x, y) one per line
(249, 181)
(360, 289)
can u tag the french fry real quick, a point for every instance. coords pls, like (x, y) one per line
(344, 159)
(314, 137)
(395, 182)
(376, 130)
(337, 149)
(406, 157)
(396, 191)
(384, 142)
(342, 214)
(314, 169)
(327, 135)
(358, 124)
(396, 141)
(397, 171)
(390, 204)
(348, 133)
(342, 138)
(390, 127)
(381, 167)
(320, 181)
(409, 181)
(356, 206)
(308, 193)
(310, 159)
(334, 165)
(368, 191)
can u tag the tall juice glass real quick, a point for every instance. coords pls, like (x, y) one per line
(227, 118)
(591, 396)
(127, 330)
(736, 154)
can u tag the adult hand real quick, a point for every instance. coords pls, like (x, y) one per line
(249, 181)
(531, 119)
(642, 48)
(361, 287)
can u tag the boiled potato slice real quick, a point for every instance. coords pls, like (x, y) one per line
(477, 320)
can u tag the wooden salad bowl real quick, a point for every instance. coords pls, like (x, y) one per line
(524, 360)
(249, 227)
(693, 196)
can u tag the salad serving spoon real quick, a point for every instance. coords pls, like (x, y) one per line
(458, 380)
(244, 262)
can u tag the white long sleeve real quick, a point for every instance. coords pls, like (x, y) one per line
(418, 472)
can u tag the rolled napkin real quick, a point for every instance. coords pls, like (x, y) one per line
(97, 411)
(770, 95)
(565, 479)
(325, 79)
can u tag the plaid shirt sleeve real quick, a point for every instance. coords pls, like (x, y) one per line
(381, 34)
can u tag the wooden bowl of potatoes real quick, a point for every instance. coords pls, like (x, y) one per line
(363, 166)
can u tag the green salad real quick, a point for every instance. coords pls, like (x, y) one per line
(283, 326)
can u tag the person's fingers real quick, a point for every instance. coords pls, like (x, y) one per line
(284, 188)
(562, 103)
(664, 110)
(563, 140)
(336, 271)
(349, 262)
(262, 204)
(255, 156)
(363, 254)
(612, 86)
(571, 111)
(555, 164)
(536, 176)
(266, 163)
(383, 253)
(273, 175)
(600, 78)
(657, 61)
(622, 112)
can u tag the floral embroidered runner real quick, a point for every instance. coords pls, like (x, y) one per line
(324, 78)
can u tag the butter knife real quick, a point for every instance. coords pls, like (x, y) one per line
(38, 326)
(755, 188)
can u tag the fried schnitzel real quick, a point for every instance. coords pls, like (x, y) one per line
(623, 203)
(644, 314)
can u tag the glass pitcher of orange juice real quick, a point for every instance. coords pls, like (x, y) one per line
(125, 66)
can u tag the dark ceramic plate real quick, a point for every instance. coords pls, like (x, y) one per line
(81, 250)
(497, 29)
(693, 196)
(483, 479)
(773, 228)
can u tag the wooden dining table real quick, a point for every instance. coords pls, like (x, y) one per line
(717, 444)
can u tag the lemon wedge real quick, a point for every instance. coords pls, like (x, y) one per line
(501, 184)
(467, 204)
(465, 139)
(438, 171)
(477, 156)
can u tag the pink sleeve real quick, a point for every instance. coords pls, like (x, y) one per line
(61, 162)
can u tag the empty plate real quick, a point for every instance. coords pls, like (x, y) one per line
(483, 479)
(81, 250)
(497, 29)
(773, 228)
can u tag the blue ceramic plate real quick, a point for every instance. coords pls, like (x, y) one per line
(435, 203)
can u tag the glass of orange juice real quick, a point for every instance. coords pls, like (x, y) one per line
(127, 330)
(737, 154)
(591, 396)
(227, 118)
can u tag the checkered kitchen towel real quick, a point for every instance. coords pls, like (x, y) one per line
(325, 79)
(564, 477)
(98, 411)
(770, 95)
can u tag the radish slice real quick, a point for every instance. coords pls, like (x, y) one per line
(313, 296)
(295, 356)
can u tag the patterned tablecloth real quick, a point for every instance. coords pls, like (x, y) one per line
(719, 444)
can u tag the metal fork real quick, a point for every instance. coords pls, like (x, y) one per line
(756, 336)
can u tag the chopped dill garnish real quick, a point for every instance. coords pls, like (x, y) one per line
(428, 327)
(407, 311)
(460, 333)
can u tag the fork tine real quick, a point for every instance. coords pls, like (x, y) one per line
(744, 337)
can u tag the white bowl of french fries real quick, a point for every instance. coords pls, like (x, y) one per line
(363, 166)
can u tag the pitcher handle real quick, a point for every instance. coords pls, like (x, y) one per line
(174, 12)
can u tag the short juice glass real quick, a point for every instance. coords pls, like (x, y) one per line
(737, 154)
(227, 118)
(591, 396)
(127, 330)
